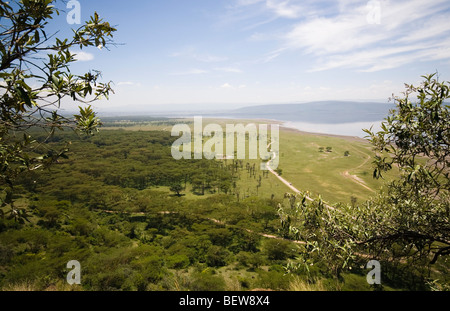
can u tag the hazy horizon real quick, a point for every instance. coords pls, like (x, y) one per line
(210, 54)
(103, 108)
(325, 117)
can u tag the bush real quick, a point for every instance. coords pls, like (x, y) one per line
(220, 237)
(278, 249)
(177, 262)
(273, 280)
(5, 254)
(250, 260)
(81, 226)
(217, 256)
(205, 281)
(111, 280)
(243, 258)
(153, 269)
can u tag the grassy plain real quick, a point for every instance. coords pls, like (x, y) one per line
(305, 163)
(333, 175)
(116, 213)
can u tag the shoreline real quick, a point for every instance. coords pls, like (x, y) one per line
(224, 120)
(349, 138)
(285, 128)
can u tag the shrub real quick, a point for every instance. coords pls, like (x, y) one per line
(217, 256)
(250, 260)
(205, 281)
(278, 249)
(273, 280)
(177, 261)
(153, 269)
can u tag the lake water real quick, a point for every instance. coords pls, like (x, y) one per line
(354, 129)
(347, 129)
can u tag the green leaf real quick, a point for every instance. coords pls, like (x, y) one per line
(36, 37)
(24, 96)
(55, 80)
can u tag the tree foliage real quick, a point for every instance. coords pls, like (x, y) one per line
(416, 139)
(36, 79)
(408, 221)
(176, 187)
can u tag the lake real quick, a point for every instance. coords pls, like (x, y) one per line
(346, 129)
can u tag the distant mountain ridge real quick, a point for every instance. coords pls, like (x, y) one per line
(318, 112)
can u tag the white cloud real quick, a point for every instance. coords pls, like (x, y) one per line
(280, 8)
(284, 8)
(230, 86)
(226, 86)
(250, 14)
(339, 34)
(270, 56)
(410, 31)
(82, 56)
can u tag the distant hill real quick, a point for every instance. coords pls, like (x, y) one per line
(318, 112)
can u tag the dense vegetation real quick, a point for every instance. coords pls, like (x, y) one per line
(109, 207)
(136, 219)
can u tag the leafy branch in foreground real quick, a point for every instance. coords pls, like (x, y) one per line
(408, 221)
(33, 88)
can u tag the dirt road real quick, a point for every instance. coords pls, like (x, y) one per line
(284, 181)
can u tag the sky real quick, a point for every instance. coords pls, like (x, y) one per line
(219, 54)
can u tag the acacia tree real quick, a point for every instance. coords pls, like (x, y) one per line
(35, 80)
(176, 187)
(408, 221)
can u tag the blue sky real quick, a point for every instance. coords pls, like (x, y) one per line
(242, 52)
